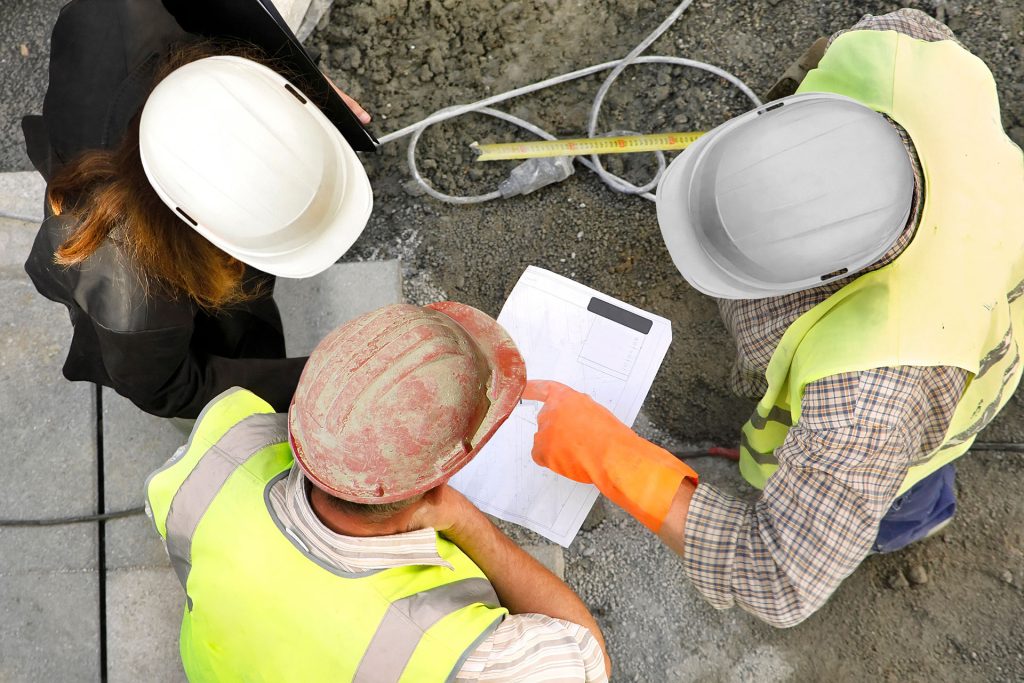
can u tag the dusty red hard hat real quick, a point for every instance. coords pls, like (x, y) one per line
(396, 401)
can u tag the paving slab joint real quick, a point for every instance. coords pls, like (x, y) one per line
(21, 196)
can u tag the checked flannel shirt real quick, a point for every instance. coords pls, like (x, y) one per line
(781, 557)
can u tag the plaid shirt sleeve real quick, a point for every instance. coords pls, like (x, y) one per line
(911, 22)
(817, 518)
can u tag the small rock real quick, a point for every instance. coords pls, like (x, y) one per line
(23, 48)
(897, 580)
(412, 188)
(355, 57)
(917, 575)
(551, 556)
(596, 515)
(588, 551)
(324, 21)
(1007, 576)
(435, 61)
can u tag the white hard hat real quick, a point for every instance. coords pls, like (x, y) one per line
(796, 193)
(253, 166)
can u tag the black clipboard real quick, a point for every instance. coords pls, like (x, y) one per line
(258, 22)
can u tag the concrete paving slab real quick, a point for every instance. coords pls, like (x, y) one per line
(50, 629)
(48, 421)
(16, 238)
(144, 609)
(49, 583)
(144, 598)
(551, 556)
(50, 424)
(21, 196)
(134, 444)
(313, 307)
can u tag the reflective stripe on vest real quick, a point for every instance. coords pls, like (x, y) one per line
(408, 619)
(261, 609)
(953, 297)
(241, 442)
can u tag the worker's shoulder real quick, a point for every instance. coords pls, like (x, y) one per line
(106, 286)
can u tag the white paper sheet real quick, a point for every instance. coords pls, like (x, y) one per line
(612, 355)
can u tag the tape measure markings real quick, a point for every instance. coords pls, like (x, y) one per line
(629, 144)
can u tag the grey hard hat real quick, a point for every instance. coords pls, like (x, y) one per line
(796, 193)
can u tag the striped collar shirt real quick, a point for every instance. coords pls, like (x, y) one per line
(290, 498)
(524, 647)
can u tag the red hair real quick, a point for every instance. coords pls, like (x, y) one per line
(109, 194)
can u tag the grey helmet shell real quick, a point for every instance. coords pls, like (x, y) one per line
(796, 193)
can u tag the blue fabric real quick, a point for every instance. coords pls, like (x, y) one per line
(927, 504)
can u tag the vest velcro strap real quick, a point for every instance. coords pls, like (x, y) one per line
(409, 618)
(776, 414)
(1015, 293)
(760, 457)
(996, 354)
(204, 482)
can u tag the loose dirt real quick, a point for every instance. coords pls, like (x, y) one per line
(950, 608)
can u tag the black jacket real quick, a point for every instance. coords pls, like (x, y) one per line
(162, 352)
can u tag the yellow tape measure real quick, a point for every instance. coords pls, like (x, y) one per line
(584, 146)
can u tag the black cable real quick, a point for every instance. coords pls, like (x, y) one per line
(79, 519)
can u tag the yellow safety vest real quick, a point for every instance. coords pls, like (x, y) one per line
(953, 297)
(260, 608)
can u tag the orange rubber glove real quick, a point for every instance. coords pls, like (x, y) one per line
(582, 440)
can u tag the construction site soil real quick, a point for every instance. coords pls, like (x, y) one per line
(949, 608)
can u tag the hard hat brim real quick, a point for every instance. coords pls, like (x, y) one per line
(679, 232)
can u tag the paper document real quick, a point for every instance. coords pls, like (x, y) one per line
(589, 341)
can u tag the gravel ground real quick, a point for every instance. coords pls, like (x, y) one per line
(950, 608)
(24, 53)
